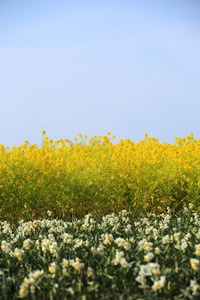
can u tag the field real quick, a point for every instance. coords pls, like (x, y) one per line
(113, 257)
(94, 220)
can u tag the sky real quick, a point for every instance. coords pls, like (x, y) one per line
(89, 67)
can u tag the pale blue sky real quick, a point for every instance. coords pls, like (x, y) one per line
(90, 67)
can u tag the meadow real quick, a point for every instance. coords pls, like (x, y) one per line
(92, 220)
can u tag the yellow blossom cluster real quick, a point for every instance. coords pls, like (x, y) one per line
(73, 178)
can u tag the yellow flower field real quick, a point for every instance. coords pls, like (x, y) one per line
(84, 176)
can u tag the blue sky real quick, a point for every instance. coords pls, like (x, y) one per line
(128, 67)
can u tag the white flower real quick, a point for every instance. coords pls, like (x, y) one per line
(166, 239)
(49, 213)
(65, 262)
(194, 286)
(155, 268)
(89, 271)
(148, 229)
(9, 279)
(191, 205)
(149, 256)
(197, 249)
(23, 292)
(158, 284)
(157, 250)
(100, 248)
(145, 270)
(148, 246)
(141, 244)
(118, 256)
(52, 268)
(124, 263)
(70, 290)
(18, 253)
(194, 263)
(183, 244)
